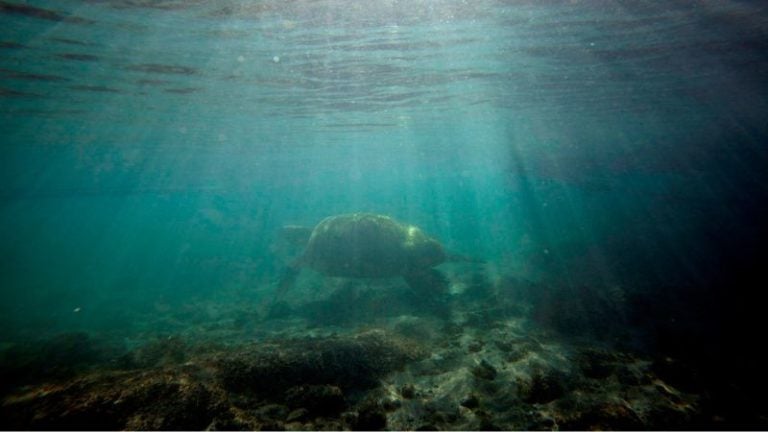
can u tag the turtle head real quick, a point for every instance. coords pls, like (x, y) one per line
(424, 251)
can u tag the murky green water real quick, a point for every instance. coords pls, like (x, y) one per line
(151, 151)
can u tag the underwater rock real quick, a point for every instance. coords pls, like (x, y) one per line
(355, 302)
(631, 376)
(600, 363)
(516, 349)
(252, 387)
(421, 329)
(471, 402)
(408, 391)
(317, 400)
(487, 422)
(272, 412)
(484, 371)
(596, 363)
(116, 400)
(637, 401)
(478, 287)
(677, 373)
(390, 404)
(345, 362)
(604, 416)
(60, 356)
(279, 309)
(519, 378)
(486, 318)
(370, 418)
(162, 351)
(475, 346)
(596, 311)
(298, 415)
(543, 387)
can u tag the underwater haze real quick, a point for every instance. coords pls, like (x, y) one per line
(595, 171)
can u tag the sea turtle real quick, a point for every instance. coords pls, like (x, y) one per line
(367, 245)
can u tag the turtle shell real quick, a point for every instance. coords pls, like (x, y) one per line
(369, 245)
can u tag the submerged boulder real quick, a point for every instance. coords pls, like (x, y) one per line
(345, 362)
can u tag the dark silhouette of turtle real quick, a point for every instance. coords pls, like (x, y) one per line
(366, 245)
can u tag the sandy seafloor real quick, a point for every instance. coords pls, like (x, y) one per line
(367, 354)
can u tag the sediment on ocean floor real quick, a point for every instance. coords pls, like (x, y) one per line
(480, 368)
(376, 379)
(249, 387)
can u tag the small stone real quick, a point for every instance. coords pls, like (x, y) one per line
(408, 391)
(299, 414)
(293, 426)
(542, 422)
(349, 418)
(484, 371)
(475, 346)
(596, 364)
(545, 386)
(677, 373)
(627, 376)
(272, 425)
(320, 400)
(271, 412)
(487, 424)
(470, 402)
(370, 419)
(390, 404)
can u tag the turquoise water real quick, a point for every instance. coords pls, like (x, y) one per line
(152, 150)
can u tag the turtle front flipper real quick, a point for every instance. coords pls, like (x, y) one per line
(430, 290)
